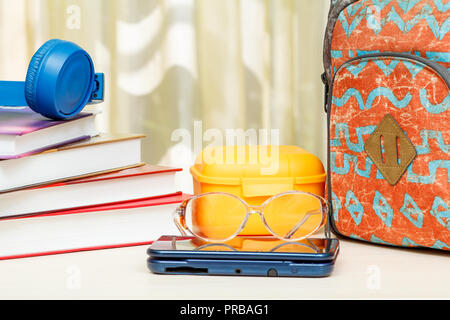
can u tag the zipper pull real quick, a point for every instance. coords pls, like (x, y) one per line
(327, 91)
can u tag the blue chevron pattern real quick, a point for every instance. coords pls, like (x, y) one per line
(346, 169)
(354, 207)
(412, 212)
(337, 206)
(427, 135)
(433, 166)
(437, 108)
(441, 6)
(352, 92)
(439, 56)
(378, 92)
(385, 212)
(336, 54)
(360, 133)
(366, 173)
(426, 14)
(382, 209)
(413, 68)
(442, 216)
(387, 69)
(350, 27)
(379, 4)
(375, 239)
(407, 5)
(368, 13)
(353, 9)
(443, 57)
(437, 245)
(355, 69)
(398, 103)
(440, 245)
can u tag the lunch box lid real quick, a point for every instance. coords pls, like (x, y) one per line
(258, 166)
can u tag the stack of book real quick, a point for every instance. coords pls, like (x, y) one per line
(66, 188)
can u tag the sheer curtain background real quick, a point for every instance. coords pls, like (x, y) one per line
(231, 64)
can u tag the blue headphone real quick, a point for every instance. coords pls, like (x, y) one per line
(60, 82)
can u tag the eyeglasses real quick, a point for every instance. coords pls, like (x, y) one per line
(221, 217)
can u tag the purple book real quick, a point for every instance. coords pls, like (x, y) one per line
(24, 132)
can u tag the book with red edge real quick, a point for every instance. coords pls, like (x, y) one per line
(126, 185)
(134, 223)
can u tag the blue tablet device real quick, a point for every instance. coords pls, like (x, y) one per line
(244, 256)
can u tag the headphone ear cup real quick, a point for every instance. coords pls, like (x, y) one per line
(33, 72)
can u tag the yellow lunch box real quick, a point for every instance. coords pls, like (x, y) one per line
(257, 173)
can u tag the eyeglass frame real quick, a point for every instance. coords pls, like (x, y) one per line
(180, 215)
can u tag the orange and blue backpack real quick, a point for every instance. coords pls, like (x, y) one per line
(387, 78)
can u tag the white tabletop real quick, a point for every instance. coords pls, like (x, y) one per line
(362, 271)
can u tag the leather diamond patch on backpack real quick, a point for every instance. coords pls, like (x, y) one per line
(391, 150)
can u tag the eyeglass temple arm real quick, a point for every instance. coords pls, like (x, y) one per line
(176, 216)
(328, 232)
(301, 223)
